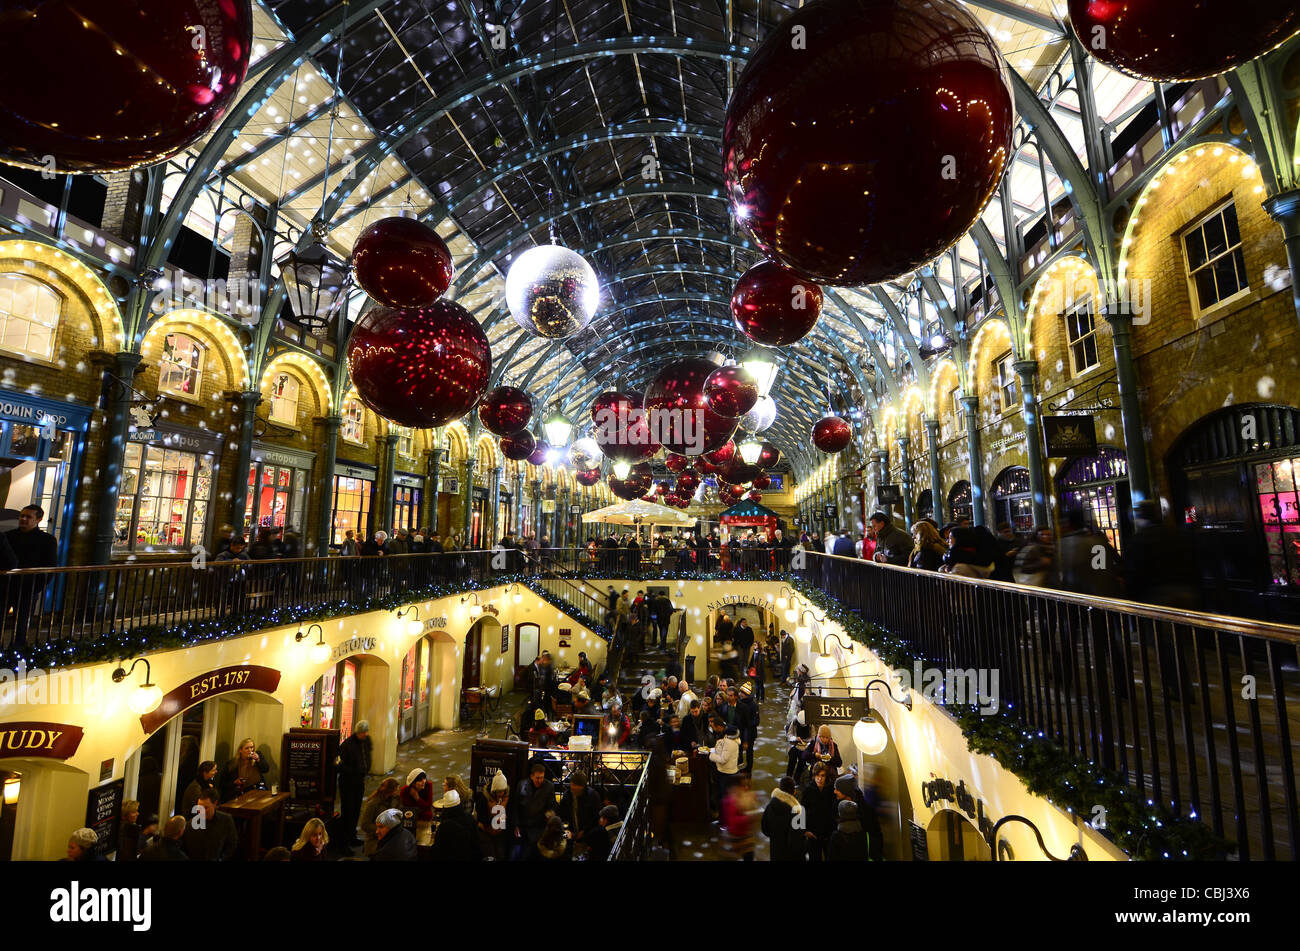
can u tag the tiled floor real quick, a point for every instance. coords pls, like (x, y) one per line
(446, 752)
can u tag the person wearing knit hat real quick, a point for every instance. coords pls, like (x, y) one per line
(396, 844)
(417, 799)
(746, 689)
(449, 799)
(541, 734)
(499, 783)
(496, 817)
(580, 809)
(849, 840)
(81, 846)
(847, 789)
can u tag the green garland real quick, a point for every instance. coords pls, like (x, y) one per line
(1144, 830)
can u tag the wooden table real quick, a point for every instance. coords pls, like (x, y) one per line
(691, 801)
(249, 811)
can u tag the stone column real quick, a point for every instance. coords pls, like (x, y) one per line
(433, 472)
(1026, 372)
(247, 404)
(117, 419)
(535, 517)
(905, 463)
(517, 499)
(1284, 208)
(971, 404)
(497, 529)
(1135, 442)
(936, 488)
(469, 497)
(385, 511)
(325, 488)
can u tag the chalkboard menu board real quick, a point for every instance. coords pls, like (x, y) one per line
(103, 814)
(488, 757)
(308, 758)
(920, 847)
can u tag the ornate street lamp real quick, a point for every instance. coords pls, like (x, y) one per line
(316, 282)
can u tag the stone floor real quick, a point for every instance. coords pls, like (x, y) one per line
(446, 752)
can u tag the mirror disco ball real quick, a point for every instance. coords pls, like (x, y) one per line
(551, 291)
(760, 417)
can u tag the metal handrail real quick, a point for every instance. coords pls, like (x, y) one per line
(1286, 633)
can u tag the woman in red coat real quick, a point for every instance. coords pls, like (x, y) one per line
(417, 804)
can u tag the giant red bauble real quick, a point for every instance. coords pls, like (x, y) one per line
(720, 456)
(419, 366)
(738, 472)
(622, 431)
(402, 262)
(763, 481)
(678, 411)
(687, 483)
(588, 477)
(731, 391)
(755, 496)
(519, 446)
(871, 145)
(1160, 40)
(505, 410)
(625, 489)
(675, 463)
(832, 433)
(107, 85)
(774, 306)
(768, 456)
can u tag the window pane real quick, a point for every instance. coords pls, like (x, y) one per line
(1225, 274)
(1195, 249)
(1240, 260)
(1205, 296)
(1216, 242)
(1230, 224)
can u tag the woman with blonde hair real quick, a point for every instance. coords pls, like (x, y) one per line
(929, 549)
(462, 790)
(384, 797)
(310, 846)
(244, 772)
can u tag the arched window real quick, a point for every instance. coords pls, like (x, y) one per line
(29, 315)
(284, 398)
(181, 367)
(354, 422)
(959, 501)
(1013, 502)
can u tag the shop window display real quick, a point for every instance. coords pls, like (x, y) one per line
(163, 503)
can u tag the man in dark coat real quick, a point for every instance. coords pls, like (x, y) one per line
(396, 843)
(536, 798)
(354, 766)
(848, 842)
(787, 655)
(787, 842)
(847, 789)
(211, 836)
(818, 801)
(893, 545)
(743, 637)
(580, 806)
(457, 837)
(1160, 562)
(168, 848)
(27, 546)
(747, 724)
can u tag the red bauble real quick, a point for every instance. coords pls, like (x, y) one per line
(625, 489)
(683, 503)
(832, 433)
(622, 430)
(538, 456)
(419, 366)
(505, 410)
(720, 456)
(588, 478)
(678, 412)
(402, 262)
(519, 446)
(774, 306)
(704, 467)
(763, 481)
(865, 151)
(1158, 40)
(103, 85)
(642, 473)
(769, 456)
(676, 463)
(738, 472)
(755, 496)
(687, 483)
(731, 391)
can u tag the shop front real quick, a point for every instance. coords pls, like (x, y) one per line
(277, 488)
(959, 501)
(479, 524)
(168, 478)
(354, 498)
(1013, 501)
(41, 446)
(408, 501)
(1098, 486)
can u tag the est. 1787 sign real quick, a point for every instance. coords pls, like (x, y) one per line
(834, 711)
(211, 684)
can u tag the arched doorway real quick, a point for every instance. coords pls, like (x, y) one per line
(1098, 487)
(959, 501)
(951, 837)
(1013, 501)
(1234, 480)
(528, 638)
(925, 504)
(159, 770)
